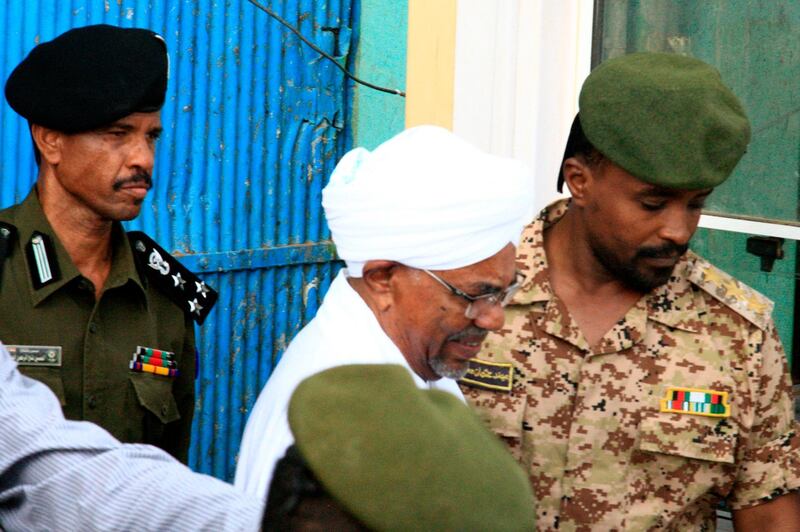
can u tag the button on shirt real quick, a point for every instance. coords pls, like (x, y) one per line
(590, 425)
(98, 338)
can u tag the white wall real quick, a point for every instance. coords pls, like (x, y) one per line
(519, 66)
(518, 70)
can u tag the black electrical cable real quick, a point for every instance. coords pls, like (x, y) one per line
(314, 47)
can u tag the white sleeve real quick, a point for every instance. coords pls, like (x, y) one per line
(66, 475)
(266, 437)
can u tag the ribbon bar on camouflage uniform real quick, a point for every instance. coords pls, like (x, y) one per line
(696, 401)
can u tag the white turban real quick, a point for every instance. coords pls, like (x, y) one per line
(426, 199)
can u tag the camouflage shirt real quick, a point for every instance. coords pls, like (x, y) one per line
(684, 402)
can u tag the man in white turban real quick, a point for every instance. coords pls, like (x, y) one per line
(427, 225)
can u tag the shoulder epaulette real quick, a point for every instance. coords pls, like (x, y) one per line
(183, 287)
(8, 235)
(745, 301)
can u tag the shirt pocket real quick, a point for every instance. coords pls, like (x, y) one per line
(51, 377)
(502, 413)
(154, 394)
(689, 436)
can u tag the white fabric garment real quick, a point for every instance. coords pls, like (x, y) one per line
(427, 199)
(72, 475)
(344, 331)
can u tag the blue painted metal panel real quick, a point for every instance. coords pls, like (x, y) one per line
(253, 124)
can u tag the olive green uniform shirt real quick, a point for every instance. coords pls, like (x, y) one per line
(99, 337)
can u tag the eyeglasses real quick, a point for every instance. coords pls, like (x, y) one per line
(477, 305)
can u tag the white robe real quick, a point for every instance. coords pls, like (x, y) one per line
(344, 331)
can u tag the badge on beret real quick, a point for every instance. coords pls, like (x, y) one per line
(173, 278)
(696, 401)
(42, 262)
(489, 375)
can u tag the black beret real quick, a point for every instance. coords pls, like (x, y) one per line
(89, 77)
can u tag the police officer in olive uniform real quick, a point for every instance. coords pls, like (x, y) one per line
(103, 317)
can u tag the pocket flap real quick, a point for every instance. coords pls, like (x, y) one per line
(155, 394)
(503, 413)
(689, 436)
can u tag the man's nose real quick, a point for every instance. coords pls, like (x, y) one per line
(679, 226)
(142, 154)
(491, 318)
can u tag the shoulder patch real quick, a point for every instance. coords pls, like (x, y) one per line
(490, 375)
(745, 301)
(8, 236)
(183, 287)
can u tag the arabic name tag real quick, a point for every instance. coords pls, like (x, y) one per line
(36, 355)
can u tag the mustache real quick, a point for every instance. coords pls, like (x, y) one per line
(470, 332)
(667, 251)
(139, 178)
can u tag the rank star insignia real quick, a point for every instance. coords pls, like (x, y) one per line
(202, 289)
(178, 280)
(195, 307)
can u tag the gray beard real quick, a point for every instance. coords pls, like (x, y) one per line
(442, 369)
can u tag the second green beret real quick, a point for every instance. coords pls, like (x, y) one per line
(401, 458)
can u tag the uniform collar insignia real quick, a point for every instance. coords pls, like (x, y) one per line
(490, 375)
(42, 261)
(696, 401)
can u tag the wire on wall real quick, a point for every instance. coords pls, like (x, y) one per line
(316, 48)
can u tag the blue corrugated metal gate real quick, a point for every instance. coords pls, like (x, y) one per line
(253, 124)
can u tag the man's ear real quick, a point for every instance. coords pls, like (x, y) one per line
(48, 142)
(376, 277)
(578, 177)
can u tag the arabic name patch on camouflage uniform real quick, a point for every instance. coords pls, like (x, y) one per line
(696, 401)
(173, 278)
(489, 375)
(36, 355)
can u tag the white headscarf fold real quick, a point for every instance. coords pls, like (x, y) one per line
(427, 199)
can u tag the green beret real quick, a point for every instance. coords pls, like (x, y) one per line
(401, 458)
(89, 77)
(667, 119)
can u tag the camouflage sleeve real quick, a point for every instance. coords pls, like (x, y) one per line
(769, 464)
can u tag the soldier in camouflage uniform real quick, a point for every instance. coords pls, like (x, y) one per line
(638, 384)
